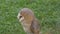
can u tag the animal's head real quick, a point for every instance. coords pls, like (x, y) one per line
(25, 14)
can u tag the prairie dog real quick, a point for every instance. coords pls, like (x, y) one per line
(29, 21)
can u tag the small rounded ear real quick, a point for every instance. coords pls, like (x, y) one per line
(28, 18)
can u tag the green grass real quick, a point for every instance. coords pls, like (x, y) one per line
(47, 11)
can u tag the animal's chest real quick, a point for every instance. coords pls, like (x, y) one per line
(26, 26)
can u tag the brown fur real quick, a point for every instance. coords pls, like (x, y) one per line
(30, 23)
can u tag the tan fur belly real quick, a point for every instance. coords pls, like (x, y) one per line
(26, 27)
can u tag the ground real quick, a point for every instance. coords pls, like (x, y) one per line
(46, 11)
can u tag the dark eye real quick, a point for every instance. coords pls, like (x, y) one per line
(20, 16)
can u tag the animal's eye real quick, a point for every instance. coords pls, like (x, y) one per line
(20, 16)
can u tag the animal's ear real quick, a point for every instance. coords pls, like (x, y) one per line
(35, 27)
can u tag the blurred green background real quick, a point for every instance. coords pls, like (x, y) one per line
(46, 11)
